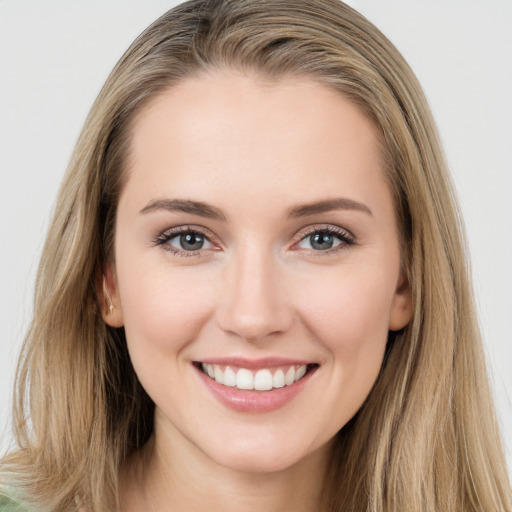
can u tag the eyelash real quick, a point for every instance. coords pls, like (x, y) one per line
(163, 238)
(345, 238)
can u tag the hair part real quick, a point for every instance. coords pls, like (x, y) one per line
(426, 437)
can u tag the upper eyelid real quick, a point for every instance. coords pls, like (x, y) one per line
(189, 228)
(318, 228)
(304, 231)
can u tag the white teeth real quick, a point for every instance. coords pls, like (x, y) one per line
(262, 380)
(218, 375)
(208, 369)
(301, 371)
(229, 377)
(244, 379)
(278, 380)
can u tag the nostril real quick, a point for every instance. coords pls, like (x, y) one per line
(255, 322)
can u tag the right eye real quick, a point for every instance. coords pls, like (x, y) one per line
(189, 241)
(183, 241)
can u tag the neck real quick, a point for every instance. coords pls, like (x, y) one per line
(161, 477)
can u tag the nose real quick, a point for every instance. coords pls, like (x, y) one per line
(254, 304)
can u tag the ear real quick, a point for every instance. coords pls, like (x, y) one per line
(108, 297)
(401, 308)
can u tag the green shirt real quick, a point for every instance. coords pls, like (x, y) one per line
(7, 505)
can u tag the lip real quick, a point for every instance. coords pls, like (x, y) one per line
(252, 401)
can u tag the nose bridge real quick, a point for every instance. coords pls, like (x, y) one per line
(254, 304)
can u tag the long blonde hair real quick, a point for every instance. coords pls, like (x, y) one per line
(425, 439)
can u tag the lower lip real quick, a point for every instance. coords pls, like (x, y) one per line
(254, 401)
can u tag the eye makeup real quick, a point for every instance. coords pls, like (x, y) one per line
(193, 241)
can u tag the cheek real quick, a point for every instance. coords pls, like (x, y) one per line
(163, 309)
(344, 310)
(348, 315)
(349, 311)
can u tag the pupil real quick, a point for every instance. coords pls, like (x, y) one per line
(321, 241)
(191, 241)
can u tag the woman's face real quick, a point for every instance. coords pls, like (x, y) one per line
(255, 241)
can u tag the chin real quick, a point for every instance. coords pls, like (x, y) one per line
(265, 457)
(253, 463)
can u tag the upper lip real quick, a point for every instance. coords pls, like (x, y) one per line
(253, 364)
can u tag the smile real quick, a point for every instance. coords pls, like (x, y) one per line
(264, 379)
(255, 386)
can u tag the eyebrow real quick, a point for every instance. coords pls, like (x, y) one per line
(186, 206)
(211, 212)
(327, 205)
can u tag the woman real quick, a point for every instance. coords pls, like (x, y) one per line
(239, 308)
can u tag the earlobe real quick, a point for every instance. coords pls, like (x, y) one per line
(401, 309)
(110, 304)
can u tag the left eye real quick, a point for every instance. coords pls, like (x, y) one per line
(323, 240)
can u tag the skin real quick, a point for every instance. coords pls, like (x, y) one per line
(253, 150)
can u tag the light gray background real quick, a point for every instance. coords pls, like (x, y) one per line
(55, 55)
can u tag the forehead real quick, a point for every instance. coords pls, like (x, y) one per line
(211, 133)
